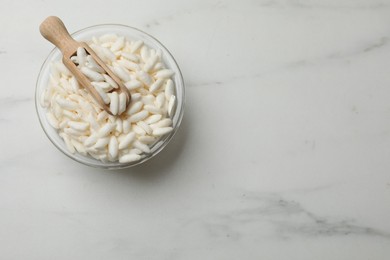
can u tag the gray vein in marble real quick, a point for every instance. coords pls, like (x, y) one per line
(12, 159)
(219, 5)
(367, 48)
(383, 41)
(6, 101)
(286, 219)
(320, 6)
(380, 43)
(160, 20)
(374, 45)
(315, 188)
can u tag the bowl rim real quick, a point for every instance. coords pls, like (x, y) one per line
(114, 165)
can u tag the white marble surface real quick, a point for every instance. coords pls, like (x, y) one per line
(284, 151)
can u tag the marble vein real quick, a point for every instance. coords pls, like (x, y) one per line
(323, 6)
(12, 100)
(220, 5)
(371, 46)
(273, 215)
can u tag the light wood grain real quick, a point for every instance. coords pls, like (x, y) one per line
(54, 30)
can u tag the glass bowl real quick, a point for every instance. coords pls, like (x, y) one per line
(131, 34)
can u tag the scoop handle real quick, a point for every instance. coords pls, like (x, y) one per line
(54, 30)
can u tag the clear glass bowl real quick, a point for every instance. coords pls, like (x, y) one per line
(131, 34)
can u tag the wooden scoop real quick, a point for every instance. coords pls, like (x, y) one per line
(54, 30)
